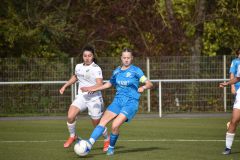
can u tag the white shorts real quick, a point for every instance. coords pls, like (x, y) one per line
(237, 100)
(94, 106)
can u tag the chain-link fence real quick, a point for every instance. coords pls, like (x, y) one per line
(176, 96)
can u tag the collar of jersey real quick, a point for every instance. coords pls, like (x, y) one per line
(125, 69)
(88, 65)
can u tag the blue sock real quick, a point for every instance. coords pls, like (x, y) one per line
(97, 132)
(113, 139)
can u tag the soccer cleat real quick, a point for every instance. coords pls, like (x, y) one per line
(110, 151)
(69, 141)
(227, 151)
(106, 144)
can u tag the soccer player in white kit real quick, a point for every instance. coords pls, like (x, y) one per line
(86, 74)
(235, 119)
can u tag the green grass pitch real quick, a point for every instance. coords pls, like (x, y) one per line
(142, 139)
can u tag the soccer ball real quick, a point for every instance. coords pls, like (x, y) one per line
(82, 148)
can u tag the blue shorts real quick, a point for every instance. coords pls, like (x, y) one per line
(125, 105)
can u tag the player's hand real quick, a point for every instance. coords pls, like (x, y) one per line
(140, 89)
(61, 91)
(224, 84)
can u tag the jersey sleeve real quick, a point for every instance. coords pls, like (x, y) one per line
(140, 75)
(113, 78)
(98, 72)
(232, 67)
(238, 71)
(75, 71)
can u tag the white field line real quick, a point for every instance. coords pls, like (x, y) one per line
(130, 140)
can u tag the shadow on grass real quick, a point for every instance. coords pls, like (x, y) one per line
(117, 151)
(125, 151)
(100, 148)
(235, 153)
(139, 150)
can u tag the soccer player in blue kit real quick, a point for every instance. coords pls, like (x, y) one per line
(235, 119)
(124, 107)
(233, 72)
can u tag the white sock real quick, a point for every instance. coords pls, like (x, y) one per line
(229, 139)
(105, 134)
(71, 128)
(92, 141)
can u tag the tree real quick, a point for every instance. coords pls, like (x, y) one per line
(26, 30)
(222, 28)
(59, 28)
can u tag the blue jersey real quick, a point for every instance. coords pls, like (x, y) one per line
(233, 70)
(127, 81)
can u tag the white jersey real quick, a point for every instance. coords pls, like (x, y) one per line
(86, 76)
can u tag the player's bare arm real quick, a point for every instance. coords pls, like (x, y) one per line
(148, 85)
(97, 88)
(99, 82)
(233, 90)
(72, 80)
(230, 82)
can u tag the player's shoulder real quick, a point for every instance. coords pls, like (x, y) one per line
(95, 65)
(117, 70)
(236, 60)
(79, 65)
(136, 68)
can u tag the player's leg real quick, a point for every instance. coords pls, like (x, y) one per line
(100, 128)
(77, 106)
(112, 111)
(71, 125)
(231, 130)
(234, 97)
(118, 121)
(127, 113)
(95, 110)
(104, 134)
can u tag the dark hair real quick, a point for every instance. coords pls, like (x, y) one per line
(127, 50)
(90, 49)
(238, 51)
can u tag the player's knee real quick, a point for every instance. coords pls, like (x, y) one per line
(115, 128)
(234, 122)
(104, 121)
(70, 119)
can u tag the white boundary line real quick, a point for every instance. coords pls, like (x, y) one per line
(129, 140)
